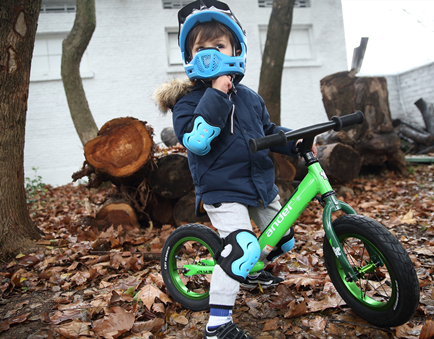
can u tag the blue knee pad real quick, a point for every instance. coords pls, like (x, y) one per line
(240, 253)
(199, 139)
(284, 245)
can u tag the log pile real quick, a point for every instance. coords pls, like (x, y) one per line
(415, 140)
(375, 141)
(150, 185)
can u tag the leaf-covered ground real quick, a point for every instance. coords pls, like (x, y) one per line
(90, 283)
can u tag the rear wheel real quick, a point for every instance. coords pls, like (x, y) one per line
(386, 292)
(187, 245)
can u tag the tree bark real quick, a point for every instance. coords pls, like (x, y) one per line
(72, 52)
(184, 210)
(273, 58)
(172, 178)
(375, 139)
(340, 162)
(17, 38)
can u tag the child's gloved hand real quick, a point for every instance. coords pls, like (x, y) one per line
(314, 149)
(223, 83)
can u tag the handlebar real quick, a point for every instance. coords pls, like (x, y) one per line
(281, 138)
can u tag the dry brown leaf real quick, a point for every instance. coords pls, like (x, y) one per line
(148, 294)
(296, 310)
(331, 300)
(408, 218)
(271, 324)
(16, 320)
(114, 324)
(152, 325)
(73, 330)
(301, 280)
(427, 330)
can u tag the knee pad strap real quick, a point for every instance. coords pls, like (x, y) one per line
(240, 253)
(284, 245)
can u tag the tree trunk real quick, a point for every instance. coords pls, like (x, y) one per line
(273, 58)
(427, 110)
(375, 139)
(72, 52)
(17, 38)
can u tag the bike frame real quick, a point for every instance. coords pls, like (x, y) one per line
(314, 183)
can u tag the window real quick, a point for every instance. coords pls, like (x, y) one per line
(175, 4)
(58, 6)
(299, 43)
(298, 3)
(47, 56)
(300, 50)
(174, 53)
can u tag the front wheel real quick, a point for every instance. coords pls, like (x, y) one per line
(386, 292)
(191, 244)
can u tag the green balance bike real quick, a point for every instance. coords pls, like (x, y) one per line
(368, 266)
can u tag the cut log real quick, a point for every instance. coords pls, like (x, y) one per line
(417, 136)
(343, 93)
(122, 147)
(340, 162)
(184, 210)
(171, 178)
(427, 110)
(160, 210)
(284, 166)
(116, 213)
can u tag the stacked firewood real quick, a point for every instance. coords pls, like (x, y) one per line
(379, 142)
(415, 140)
(151, 185)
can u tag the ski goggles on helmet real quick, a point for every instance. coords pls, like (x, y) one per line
(211, 63)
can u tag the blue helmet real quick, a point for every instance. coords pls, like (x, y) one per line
(211, 63)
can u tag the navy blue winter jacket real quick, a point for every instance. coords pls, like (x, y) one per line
(230, 172)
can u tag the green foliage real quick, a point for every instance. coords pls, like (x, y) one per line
(34, 187)
(410, 169)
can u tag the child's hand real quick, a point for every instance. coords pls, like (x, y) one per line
(314, 149)
(223, 83)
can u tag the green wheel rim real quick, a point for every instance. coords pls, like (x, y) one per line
(175, 275)
(387, 290)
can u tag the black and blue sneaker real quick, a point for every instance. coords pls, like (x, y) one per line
(264, 278)
(229, 330)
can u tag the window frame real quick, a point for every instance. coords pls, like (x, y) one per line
(308, 62)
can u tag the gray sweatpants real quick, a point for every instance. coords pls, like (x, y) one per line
(228, 218)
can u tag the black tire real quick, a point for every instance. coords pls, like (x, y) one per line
(189, 244)
(386, 295)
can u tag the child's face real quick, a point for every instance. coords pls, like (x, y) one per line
(222, 44)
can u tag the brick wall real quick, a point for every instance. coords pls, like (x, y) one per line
(128, 58)
(408, 87)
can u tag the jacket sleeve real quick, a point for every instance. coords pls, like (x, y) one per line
(214, 106)
(271, 128)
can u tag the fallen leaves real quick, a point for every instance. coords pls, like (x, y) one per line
(107, 283)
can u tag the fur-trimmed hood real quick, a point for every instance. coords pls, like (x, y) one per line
(168, 93)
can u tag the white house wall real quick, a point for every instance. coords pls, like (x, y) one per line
(129, 59)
